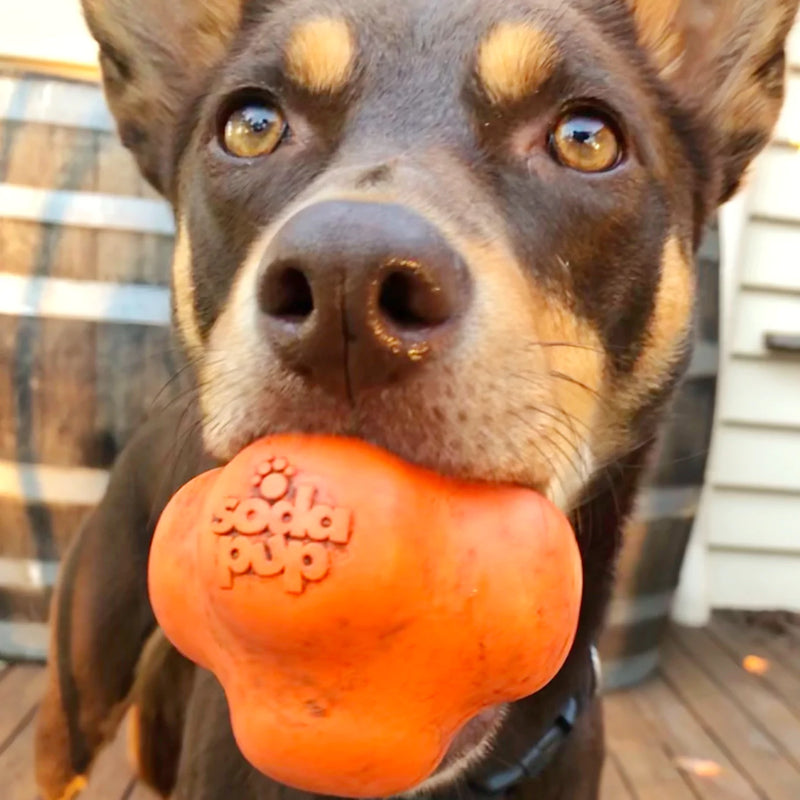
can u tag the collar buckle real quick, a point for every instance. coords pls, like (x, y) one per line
(538, 757)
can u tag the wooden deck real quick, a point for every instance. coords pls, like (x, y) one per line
(721, 722)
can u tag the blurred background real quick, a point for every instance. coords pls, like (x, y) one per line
(86, 352)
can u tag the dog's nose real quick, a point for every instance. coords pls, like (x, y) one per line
(356, 294)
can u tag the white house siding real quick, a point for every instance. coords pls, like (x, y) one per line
(746, 548)
(48, 34)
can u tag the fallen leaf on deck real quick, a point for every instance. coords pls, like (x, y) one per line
(701, 767)
(756, 665)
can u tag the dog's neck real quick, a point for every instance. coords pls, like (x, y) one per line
(498, 777)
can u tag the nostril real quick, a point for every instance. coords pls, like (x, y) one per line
(411, 299)
(286, 292)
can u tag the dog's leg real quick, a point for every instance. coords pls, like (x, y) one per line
(212, 766)
(159, 702)
(101, 616)
(100, 620)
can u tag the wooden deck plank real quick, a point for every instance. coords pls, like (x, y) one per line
(20, 691)
(781, 678)
(643, 760)
(21, 688)
(747, 746)
(16, 767)
(613, 786)
(691, 745)
(756, 699)
(791, 623)
(775, 632)
(141, 792)
(111, 776)
(706, 730)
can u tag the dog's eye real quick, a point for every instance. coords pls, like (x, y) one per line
(253, 129)
(586, 141)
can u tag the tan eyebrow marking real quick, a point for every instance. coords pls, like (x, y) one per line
(320, 54)
(514, 60)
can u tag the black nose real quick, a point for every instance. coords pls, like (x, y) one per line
(355, 295)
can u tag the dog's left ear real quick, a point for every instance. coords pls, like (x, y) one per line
(155, 56)
(724, 61)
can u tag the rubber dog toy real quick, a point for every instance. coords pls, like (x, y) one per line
(358, 610)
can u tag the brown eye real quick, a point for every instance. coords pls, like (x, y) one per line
(587, 142)
(253, 130)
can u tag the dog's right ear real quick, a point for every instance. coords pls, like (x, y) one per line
(154, 55)
(725, 64)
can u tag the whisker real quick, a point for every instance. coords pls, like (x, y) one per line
(565, 345)
(575, 382)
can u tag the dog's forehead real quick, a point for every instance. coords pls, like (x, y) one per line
(386, 36)
(413, 20)
(403, 69)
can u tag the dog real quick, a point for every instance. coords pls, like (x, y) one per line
(461, 230)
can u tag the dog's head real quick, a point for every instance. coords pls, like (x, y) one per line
(463, 230)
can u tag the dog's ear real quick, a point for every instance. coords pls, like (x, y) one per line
(725, 63)
(154, 54)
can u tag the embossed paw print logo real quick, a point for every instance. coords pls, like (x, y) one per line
(279, 529)
(273, 479)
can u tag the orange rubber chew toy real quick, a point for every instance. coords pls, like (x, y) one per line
(359, 610)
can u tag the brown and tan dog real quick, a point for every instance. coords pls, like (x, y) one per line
(460, 229)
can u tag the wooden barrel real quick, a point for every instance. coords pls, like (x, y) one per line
(85, 344)
(657, 537)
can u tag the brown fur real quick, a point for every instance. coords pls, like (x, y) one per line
(734, 46)
(101, 617)
(159, 699)
(666, 335)
(666, 342)
(189, 39)
(57, 774)
(661, 32)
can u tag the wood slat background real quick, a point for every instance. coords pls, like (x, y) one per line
(85, 344)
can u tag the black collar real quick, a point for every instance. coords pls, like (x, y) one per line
(541, 754)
